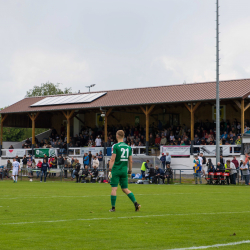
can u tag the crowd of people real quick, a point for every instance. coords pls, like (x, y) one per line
(204, 168)
(205, 134)
(42, 167)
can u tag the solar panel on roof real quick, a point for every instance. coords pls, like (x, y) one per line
(68, 99)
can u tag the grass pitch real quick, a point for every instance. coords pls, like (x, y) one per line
(66, 215)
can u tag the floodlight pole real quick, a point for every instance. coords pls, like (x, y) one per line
(217, 86)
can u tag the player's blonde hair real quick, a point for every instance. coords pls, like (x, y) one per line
(120, 134)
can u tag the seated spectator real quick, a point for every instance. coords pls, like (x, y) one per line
(168, 173)
(159, 174)
(163, 140)
(220, 167)
(151, 173)
(85, 173)
(93, 174)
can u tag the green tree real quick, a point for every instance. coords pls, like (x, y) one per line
(47, 88)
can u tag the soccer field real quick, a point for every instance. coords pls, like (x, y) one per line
(66, 215)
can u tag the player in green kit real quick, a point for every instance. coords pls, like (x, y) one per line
(118, 166)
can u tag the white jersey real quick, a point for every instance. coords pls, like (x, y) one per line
(16, 165)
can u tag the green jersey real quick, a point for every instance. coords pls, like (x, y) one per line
(122, 151)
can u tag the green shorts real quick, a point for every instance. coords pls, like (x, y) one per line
(119, 177)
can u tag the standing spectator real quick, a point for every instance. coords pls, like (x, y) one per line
(168, 173)
(29, 166)
(17, 159)
(44, 169)
(245, 172)
(39, 167)
(151, 173)
(227, 170)
(86, 159)
(197, 172)
(222, 161)
(163, 160)
(100, 158)
(60, 162)
(236, 164)
(98, 141)
(168, 158)
(90, 159)
(144, 166)
(233, 171)
(204, 166)
(241, 172)
(159, 174)
(45, 157)
(24, 161)
(95, 162)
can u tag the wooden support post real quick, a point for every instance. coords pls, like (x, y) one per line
(106, 125)
(192, 110)
(242, 108)
(68, 116)
(242, 116)
(33, 117)
(3, 117)
(147, 114)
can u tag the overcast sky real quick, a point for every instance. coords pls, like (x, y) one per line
(118, 44)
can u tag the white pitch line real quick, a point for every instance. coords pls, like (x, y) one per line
(85, 196)
(217, 245)
(113, 218)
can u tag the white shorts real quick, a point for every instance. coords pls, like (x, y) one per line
(204, 167)
(15, 172)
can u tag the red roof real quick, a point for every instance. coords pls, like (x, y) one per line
(232, 89)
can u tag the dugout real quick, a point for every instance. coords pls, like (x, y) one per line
(171, 104)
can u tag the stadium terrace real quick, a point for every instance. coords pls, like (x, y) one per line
(182, 114)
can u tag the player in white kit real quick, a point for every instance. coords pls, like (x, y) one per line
(15, 169)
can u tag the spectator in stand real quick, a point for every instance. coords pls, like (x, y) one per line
(11, 147)
(159, 174)
(151, 140)
(98, 141)
(44, 170)
(24, 161)
(95, 162)
(163, 160)
(163, 140)
(85, 159)
(168, 173)
(245, 171)
(157, 141)
(39, 167)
